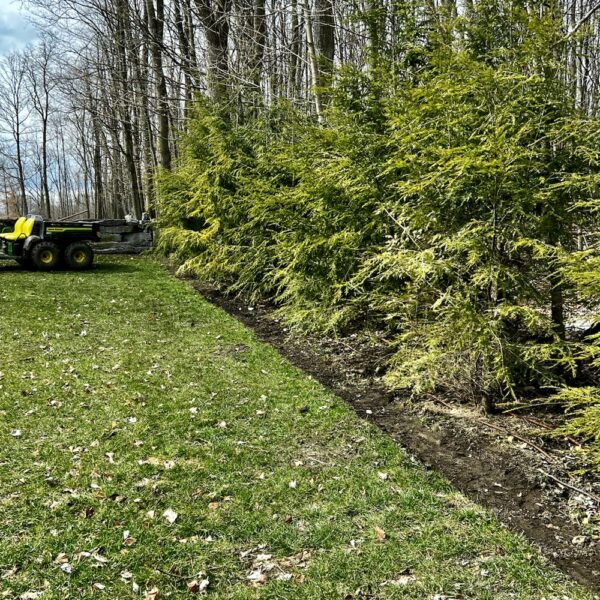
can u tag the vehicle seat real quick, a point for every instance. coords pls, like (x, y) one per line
(23, 229)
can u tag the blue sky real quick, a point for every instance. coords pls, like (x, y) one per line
(15, 31)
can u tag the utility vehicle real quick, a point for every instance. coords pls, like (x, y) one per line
(34, 242)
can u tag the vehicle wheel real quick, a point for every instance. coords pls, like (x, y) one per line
(45, 256)
(79, 256)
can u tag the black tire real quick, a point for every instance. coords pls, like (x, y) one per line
(45, 256)
(79, 256)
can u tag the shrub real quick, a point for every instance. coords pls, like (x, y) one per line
(446, 213)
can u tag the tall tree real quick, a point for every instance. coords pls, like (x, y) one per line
(41, 85)
(14, 112)
(156, 18)
(214, 16)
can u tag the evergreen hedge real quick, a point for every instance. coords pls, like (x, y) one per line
(457, 213)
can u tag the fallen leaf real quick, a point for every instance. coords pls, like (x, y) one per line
(204, 583)
(579, 539)
(197, 587)
(152, 594)
(263, 557)
(127, 539)
(170, 515)
(6, 575)
(380, 534)
(257, 577)
(99, 558)
(402, 580)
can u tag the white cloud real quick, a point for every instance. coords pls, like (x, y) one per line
(15, 31)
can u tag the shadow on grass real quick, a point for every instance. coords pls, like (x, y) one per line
(7, 266)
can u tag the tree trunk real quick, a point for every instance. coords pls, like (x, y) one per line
(292, 88)
(156, 27)
(325, 36)
(44, 172)
(214, 15)
(259, 27)
(313, 60)
(21, 169)
(123, 25)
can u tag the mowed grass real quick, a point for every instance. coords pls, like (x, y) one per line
(125, 397)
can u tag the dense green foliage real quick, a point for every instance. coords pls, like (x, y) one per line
(449, 208)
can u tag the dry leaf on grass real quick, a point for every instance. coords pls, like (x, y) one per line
(8, 574)
(578, 540)
(257, 577)
(152, 594)
(170, 515)
(198, 586)
(99, 558)
(400, 581)
(127, 539)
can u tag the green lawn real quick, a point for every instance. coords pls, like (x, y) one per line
(125, 397)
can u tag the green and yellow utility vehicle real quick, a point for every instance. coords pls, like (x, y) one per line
(46, 245)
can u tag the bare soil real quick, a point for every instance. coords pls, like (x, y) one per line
(500, 462)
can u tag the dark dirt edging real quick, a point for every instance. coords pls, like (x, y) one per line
(501, 478)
